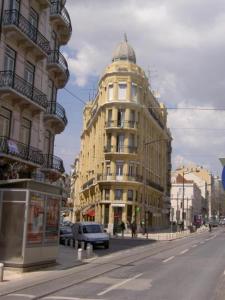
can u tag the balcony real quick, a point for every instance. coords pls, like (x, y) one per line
(120, 149)
(121, 124)
(17, 151)
(55, 117)
(24, 34)
(116, 177)
(53, 164)
(58, 68)
(43, 3)
(21, 91)
(155, 185)
(61, 21)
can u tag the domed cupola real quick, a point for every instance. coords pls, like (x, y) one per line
(124, 52)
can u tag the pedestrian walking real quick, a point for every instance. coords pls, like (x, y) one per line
(122, 226)
(133, 228)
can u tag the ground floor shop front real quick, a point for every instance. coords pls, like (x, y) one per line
(111, 215)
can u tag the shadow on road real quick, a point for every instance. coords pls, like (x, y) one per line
(120, 244)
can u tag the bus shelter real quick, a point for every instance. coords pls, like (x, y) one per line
(29, 222)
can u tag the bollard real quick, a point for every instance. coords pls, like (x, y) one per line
(71, 243)
(1, 271)
(89, 250)
(79, 254)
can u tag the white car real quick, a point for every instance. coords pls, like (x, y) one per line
(90, 232)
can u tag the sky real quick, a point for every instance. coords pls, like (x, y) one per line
(180, 44)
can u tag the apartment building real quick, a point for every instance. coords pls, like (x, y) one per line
(32, 69)
(123, 170)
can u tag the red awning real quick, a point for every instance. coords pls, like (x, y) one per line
(90, 213)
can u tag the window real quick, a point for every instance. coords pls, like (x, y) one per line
(33, 19)
(48, 142)
(122, 91)
(131, 170)
(118, 194)
(5, 122)
(121, 117)
(9, 59)
(119, 168)
(120, 143)
(110, 92)
(130, 195)
(132, 118)
(107, 194)
(25, 131)
(110, 122)
(14, 4)
(108, 168)
(29, 73)
(134, 92)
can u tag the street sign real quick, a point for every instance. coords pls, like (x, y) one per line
(223, 177)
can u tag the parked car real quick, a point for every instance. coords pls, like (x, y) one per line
(90, 232)
(66, 235)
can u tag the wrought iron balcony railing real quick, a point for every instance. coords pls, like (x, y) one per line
(57, 110)
(119, 177)
(9, 79)
(20, 150)
(55, 57)
(58, 9)
(120, 124)
(120, 149)
(53, 162)
(13, 17)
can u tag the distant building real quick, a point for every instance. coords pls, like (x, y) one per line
(186, 201)
(123, 170)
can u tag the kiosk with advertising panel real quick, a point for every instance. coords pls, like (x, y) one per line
(29, 222)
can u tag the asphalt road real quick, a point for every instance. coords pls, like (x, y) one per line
(191, 268)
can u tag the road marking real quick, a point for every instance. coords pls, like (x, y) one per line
(67, 298)
(202, 243)
(193, 246)
(166, 260)
(118, 284)
(184, 251)
(22, 295)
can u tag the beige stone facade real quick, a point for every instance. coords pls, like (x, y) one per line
(32, 69)
(123, 170)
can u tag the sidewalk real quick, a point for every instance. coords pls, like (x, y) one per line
(166, 235)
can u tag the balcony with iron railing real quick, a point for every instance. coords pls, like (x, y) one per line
(58, 68)
(25, 33)
(154, 185)
(61, 21)
(121, 124)
(17, 151)
(119, 177)
(53, 163)
(56, 116)
(120, 149)
(21, 90)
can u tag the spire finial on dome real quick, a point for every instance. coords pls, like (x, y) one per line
(124, 51)
(125, 37)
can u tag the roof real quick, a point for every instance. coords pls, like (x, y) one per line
(124, 51)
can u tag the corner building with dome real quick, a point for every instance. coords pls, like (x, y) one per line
(123, 169)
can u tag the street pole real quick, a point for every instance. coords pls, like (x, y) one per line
(183, 205)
